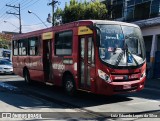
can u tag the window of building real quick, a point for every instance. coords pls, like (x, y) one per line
(130, 2)
(155, 7)
(63, 43)
(148, 45)
(142, 11)
(33, 46)
(15, 47)
(117, 11)
(147, 0)
(148, 42)
(137, 1)
(23, 47)
(130, 14)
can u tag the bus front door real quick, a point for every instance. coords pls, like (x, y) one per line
(47, 60)
(87, 66)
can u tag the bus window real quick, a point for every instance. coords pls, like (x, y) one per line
(15, 47)
(33, 46)
(23, 47)
(82, 47)
(63, 43)
(90, 51)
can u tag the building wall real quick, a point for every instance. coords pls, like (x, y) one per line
(152, 40)
(132, 10)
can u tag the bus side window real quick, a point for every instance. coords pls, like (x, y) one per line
(23, 47)
(15, 47)
(63, 43)
(33, 46)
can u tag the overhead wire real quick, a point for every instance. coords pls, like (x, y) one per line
(30, 4)
(24, 5)
(3, 14)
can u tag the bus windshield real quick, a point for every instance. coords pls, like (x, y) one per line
(121, 45)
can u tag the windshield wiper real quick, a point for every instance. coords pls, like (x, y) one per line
(125, 51)
(119, 58)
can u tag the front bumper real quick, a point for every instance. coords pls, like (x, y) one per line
(6, 71)
(112, 88)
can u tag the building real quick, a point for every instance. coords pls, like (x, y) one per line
(146, 14)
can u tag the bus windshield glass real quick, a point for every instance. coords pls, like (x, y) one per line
(121, 45)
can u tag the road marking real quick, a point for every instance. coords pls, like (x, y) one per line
(7, 86)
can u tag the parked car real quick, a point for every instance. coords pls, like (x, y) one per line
(6, 67)
(8, 60)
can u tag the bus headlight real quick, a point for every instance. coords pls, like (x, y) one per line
(104, 76)
(143, 75)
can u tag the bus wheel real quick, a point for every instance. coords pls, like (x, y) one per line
(27, 77)
(69, 85)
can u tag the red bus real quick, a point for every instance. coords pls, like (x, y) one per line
(97, 56)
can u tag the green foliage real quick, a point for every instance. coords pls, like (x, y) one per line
(58, 12)
(82, 11)
(4, 44)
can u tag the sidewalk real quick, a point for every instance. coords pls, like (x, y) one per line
(153, 83)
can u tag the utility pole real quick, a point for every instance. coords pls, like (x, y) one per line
(18, 9)
(53, 3)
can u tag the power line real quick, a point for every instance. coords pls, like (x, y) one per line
(4, 9)
(27, 3)
(31, 4)
(34, 24)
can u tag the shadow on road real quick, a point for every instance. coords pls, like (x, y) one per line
(151, 90)
(52, 92)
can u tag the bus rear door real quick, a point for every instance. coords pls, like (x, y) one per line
(47, 56)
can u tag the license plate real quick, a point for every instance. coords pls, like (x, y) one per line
(126, 86)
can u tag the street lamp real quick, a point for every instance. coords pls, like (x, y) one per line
(11, 24)
(29, 11)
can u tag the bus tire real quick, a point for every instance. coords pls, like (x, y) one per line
(69, 85)
(27, 76)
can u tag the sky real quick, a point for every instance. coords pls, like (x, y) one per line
(30, 22)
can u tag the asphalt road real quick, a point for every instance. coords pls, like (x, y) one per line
(51, 102)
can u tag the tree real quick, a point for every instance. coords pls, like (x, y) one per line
(5, 40)
(82, 11)
(58, 14)
(4, 44)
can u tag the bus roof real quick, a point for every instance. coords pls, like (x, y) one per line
(70, 25)
(110, 22)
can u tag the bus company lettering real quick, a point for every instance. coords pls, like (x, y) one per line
(84, 30)
(58, 66)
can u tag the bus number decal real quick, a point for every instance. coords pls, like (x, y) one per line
(58, 66)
